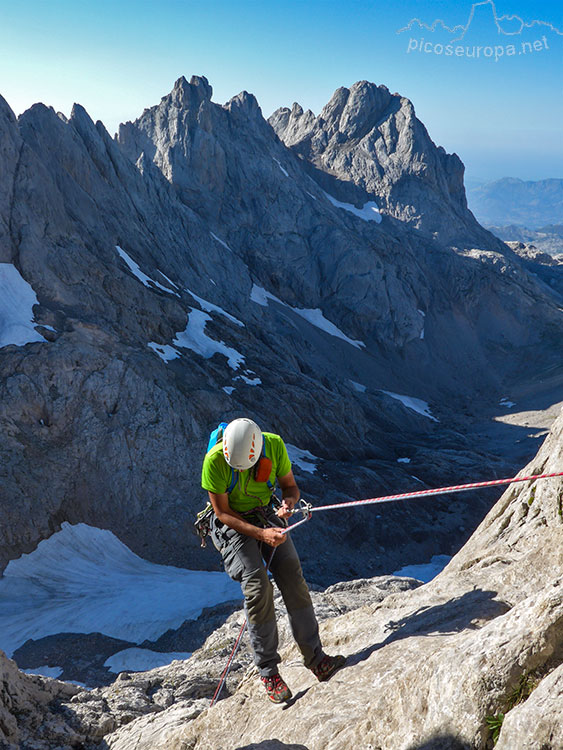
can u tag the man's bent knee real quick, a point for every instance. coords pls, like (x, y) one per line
(259, 597)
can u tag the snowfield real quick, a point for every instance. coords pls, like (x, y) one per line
(17, 324)
(84, 580)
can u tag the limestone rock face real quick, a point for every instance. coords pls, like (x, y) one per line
(195, 270)
(427, 666)
(28, 710)
(371, 139)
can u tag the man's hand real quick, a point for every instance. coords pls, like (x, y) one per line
(273, 536)
(286, 508)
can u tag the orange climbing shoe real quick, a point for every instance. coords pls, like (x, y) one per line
(327, 666)
(277, 690)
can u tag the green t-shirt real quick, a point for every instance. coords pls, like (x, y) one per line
(247, 494)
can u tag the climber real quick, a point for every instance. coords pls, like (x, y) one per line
(239, 473)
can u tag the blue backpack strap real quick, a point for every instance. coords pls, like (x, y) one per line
(234, 479)
(270, 485)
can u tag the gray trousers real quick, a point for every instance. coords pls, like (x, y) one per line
(245, 560)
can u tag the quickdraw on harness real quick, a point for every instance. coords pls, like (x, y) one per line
(261, 472)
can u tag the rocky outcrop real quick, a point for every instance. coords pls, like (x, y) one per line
(433, 666)
(43, 713)
(367, 142)
(195, 259)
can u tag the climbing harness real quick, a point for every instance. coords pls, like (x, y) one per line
(307, 510)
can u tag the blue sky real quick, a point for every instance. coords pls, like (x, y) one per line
(502, 116)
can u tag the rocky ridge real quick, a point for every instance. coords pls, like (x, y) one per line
(428, 667)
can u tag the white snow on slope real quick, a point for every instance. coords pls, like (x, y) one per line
(143, 278)
(168, 280)
(426, 571)
(53, 672)
(210, 307)
(314, 316)
(359, 387)
(403, 460)
(17, 298)
(261, 296)
(84, 580)
(507, 403)
(141, 660)
(421, 312)
(248, 380)
(286, 173)
(194, 337)
(302, 458)
(164, 351)
(368, 212)
(220, 241)
(416, 404)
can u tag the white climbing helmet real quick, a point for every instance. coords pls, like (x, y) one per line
(242, 443)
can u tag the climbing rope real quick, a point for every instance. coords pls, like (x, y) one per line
(307, 510)
(234, 651)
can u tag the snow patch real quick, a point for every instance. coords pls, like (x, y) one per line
(426, 571)
(220, 241)
(228, 389)
(305, 460)
(53, 672)
(164, 351)
(17, 298)
(311, 194)
(194, 337)
(210, 307)
(403, 460)
(141, 660)
(282, 169)
(142, 277)
(368, 212)
(84, 580)
(415, 404)
(316, 318)
(358, 386)
(249, 381)
(314, 315)
(164, 276)
(261, 296)
(506, 403)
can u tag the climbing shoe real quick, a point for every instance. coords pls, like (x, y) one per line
(327, 667)
(277, 690)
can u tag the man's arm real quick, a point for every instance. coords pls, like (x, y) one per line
(290, 494)
(220, 502)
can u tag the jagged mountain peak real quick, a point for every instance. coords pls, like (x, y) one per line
(244, 103)
(6, 111)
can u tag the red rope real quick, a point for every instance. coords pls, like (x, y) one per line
(383, 499)
(234, 651)
(437, 491)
